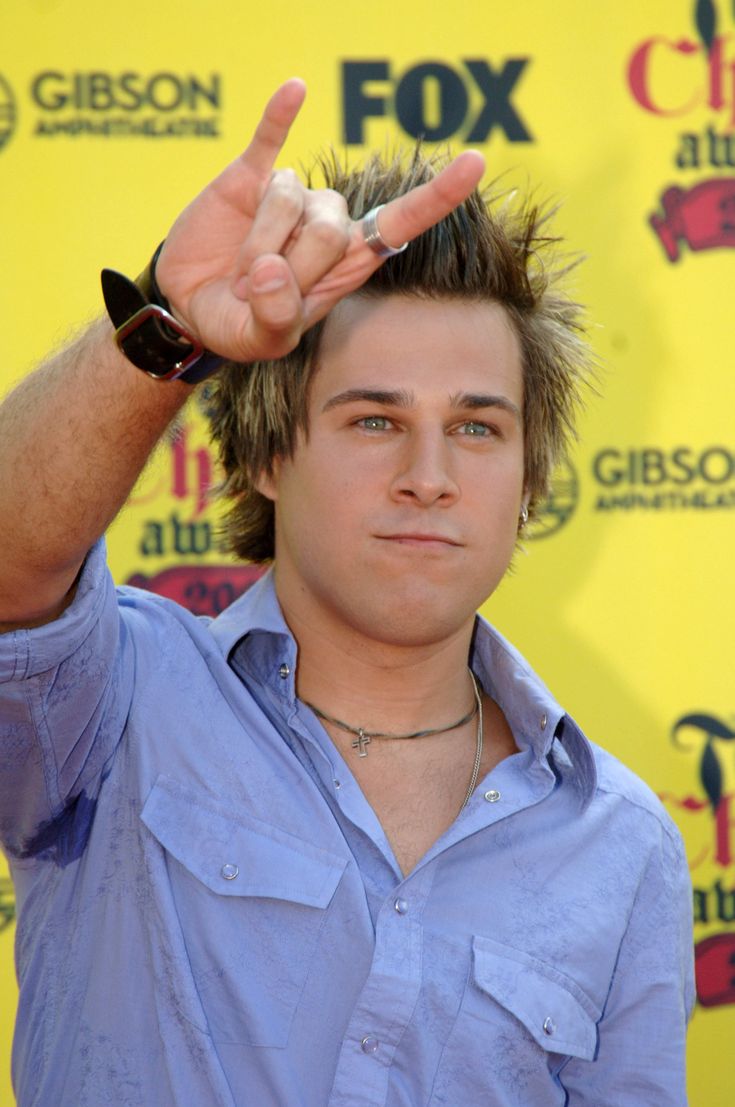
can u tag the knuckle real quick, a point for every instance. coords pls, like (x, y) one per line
(329, 233)
(329, 204)
(287, 192)
(337, 201)
(285, 178)
(290, 204)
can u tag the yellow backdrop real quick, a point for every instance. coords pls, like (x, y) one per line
(110, 120)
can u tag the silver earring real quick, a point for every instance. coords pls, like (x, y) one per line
(523, 516)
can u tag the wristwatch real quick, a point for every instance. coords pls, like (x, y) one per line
(149, 334)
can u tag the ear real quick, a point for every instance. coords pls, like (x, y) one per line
(523, 514)
(267, 483)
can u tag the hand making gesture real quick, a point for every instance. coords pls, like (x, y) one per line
(257, 258)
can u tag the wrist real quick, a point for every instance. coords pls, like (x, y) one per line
(149, 334)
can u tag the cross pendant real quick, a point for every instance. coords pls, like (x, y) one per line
(361, 743)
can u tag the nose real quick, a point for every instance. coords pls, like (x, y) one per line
(425, 471)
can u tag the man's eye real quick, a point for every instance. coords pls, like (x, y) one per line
(476, 430)
(374, 423)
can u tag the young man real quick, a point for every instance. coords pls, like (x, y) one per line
(339, 846)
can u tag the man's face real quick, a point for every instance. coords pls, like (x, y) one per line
(397, 515)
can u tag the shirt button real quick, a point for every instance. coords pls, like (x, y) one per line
(337, 783)
(549, 1026)
(284, 671)
(544, 721)
(401, 906)
(229, 872)
(492, 796)
(369, 1045)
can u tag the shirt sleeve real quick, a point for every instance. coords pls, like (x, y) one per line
(642, 1033)
(65, 689)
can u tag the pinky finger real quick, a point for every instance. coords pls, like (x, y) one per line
(408, 216)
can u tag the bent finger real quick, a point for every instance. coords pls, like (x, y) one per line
(324, 237)
(276, 220)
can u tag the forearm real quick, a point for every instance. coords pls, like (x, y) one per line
(74, 437)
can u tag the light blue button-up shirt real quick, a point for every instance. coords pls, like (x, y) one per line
(210, 914)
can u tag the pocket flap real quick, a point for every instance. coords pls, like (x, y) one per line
(239, 855)
(554, 1010)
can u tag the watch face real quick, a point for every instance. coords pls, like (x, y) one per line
(158, 344)
(148, 334)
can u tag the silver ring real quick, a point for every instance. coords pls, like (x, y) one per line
(373, 237)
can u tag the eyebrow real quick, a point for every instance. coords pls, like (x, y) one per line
(400, 398)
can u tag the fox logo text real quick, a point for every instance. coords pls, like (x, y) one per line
(435, 100)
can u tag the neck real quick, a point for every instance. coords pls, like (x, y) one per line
(379, 686)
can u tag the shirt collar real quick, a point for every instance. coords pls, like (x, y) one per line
(257, 609)
(537, 720)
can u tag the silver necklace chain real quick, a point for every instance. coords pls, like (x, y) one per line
(478, 747)
(364, 737)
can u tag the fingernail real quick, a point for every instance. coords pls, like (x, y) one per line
(264, 278)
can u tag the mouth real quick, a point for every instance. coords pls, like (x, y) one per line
(421, 541)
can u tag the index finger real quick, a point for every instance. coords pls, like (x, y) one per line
(408, 216)
(275, 123)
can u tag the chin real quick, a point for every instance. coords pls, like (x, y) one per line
(413, 625)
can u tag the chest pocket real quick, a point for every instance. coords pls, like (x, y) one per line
(520, 1020)
(552, 1009)
(251, 901)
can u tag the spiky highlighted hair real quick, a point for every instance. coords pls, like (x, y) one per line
(489, 249)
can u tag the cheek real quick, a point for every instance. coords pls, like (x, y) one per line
(337, 482)
(497, 488)
(318, 509)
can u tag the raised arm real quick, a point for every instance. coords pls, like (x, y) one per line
(251, 263)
